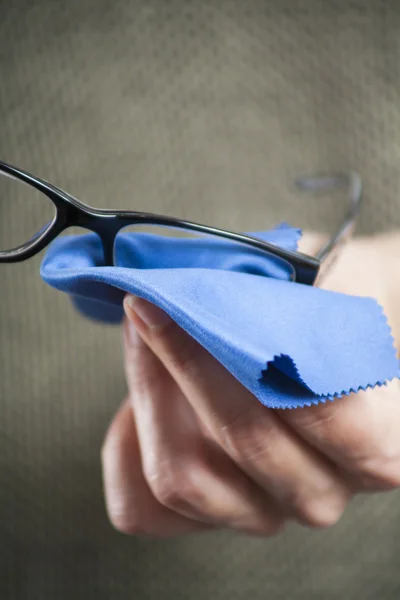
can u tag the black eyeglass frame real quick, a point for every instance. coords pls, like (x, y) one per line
(70, 212)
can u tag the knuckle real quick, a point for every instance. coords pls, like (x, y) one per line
(116, 440)
(317, 419)
(177, 488)
(104, 450)
(124, 518)
(323, 416)
(267, 528)
(320, 513)
(121, 506)
(247, 438)
(379, 473)
(109, 447)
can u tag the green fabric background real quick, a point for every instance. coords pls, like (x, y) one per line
(204, 110)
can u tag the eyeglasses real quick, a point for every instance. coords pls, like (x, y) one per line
(48, 211)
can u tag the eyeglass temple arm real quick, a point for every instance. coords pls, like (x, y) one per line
(348, 181)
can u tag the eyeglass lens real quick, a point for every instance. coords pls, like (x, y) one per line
(159, 246)
(25, 213)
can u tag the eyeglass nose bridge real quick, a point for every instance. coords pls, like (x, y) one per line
(105, 225)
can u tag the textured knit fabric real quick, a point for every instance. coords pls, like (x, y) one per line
(290, 344)
(203, 109)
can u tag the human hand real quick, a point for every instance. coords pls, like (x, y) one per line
(191, 449)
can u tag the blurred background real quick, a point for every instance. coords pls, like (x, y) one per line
(204, 110)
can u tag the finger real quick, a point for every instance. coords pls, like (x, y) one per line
(131, 506)
(185, 471)
(360, 433)
(311, 242)
(352, 268)
(254, 437)
(352, 275)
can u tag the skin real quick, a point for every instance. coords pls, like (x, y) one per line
(191, 449)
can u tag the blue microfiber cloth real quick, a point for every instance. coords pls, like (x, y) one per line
(290, 344)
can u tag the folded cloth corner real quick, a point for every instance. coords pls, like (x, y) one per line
(290, 344)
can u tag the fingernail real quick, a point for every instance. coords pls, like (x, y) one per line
(149, 313)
